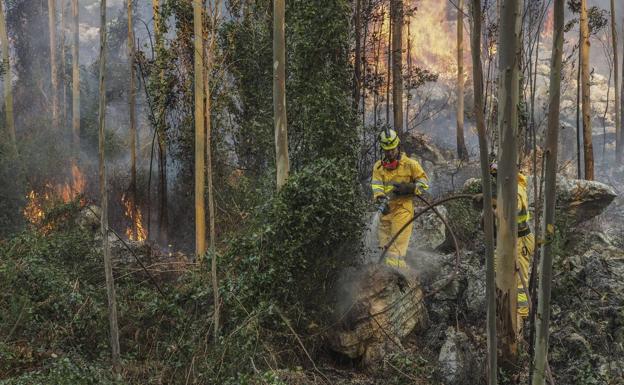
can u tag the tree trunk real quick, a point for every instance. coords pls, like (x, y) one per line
(588, 148)
(63, 70)
(53, 66)
(579, 157)
(408, 96)
(200, 212)
(488, 214)
(75, 82)
(620, 138)
(211, 206)
(507, 181)
(132, 104)
(279, 92)
(616, 72)
(108, 266)
(8, 91)
(389, 63)
(357, 80)
(545, 270)
(397, 64)
(462, 152)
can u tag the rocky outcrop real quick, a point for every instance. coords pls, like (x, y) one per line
(379, 306)
(456, 359)
(577, 201)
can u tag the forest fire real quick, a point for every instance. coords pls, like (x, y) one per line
(69, 192)
(38, 203)
(136, 231)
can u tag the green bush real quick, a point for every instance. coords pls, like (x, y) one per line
(301, 239)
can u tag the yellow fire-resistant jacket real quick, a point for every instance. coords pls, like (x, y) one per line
(524, 247)
(401, 207)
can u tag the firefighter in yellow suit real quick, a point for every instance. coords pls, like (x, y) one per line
(525, 245)
(396, 178)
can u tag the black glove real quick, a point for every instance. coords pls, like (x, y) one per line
(382, 204)
(404, 188)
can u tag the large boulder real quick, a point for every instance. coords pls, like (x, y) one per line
(457, 359)
(378, 307)
(577, 201)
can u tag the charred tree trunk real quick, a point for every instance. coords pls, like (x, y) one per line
(462, 152)
(507, 181)
(279, 91)
(53, 64)
(108, 266)
(397, 64)
(132, 104)
(200, 212)
(8, 91)
(545, 270)
(75, 82)
(488, 214)
(588, 148)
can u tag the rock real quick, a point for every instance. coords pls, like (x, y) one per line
(456, 358)
(581, 200)
(378, 307)
(89, 218)
(577, 201)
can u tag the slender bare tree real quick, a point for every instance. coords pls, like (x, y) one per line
(462, 152)
(588, 147)
(545, 269)
(488, 213)
(53, 63)
(211, 47)
(616, 73)
(75, 81)
(507, 181)
(279, 91)
(132, 104)
(108, 265)
(8, 91)
(396, 12)
(200, 142)
(357, 63)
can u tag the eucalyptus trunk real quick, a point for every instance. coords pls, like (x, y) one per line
(462, 152)
(397, 64)
(132, 104)
(357, 79)
(53, 63)
(616, 73)
(108, 265)
(588, 148)
(507, 181)
(552, 138)
(75, 81)
(8, 90)
(488, 212)
(279, 92)
(200, 140)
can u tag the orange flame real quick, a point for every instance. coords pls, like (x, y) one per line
(38, 203)
(33, 211)
(549, 24)
(68, 192)
(136, 231)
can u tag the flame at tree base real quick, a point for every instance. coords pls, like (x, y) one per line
(136, 231)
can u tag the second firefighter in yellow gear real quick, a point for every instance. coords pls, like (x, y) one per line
(398, 178)
(525, 245)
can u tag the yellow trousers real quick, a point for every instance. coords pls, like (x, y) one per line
(525, 247)
(389, 225)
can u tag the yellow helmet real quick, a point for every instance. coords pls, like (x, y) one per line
(388, 140)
